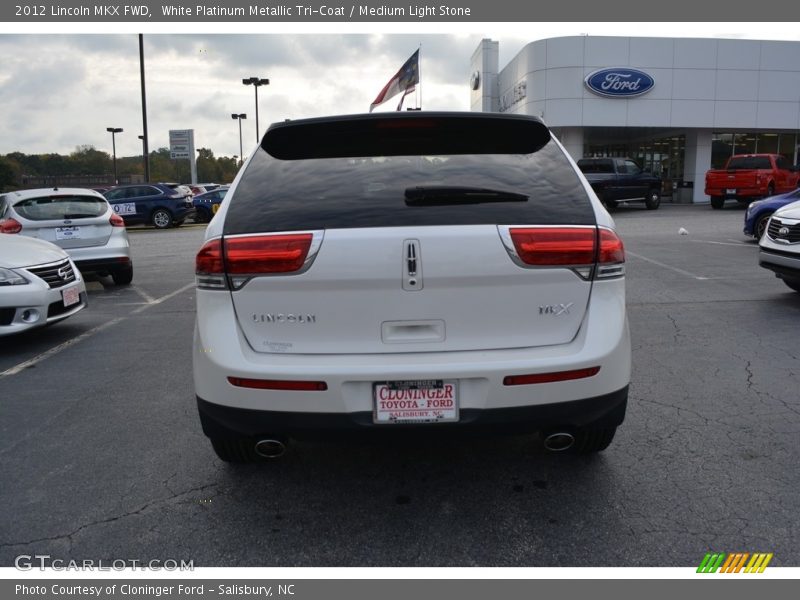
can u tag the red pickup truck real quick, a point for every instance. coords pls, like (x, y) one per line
(747, 177)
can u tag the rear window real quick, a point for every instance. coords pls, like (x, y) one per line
(596, 166)
(61, 207)
(391, 179)
(749, 162)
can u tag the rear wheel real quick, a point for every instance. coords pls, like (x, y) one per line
(588, 441)
(793, 283)
(161, 218)
(609, 204)
(717, 202)
(653, 199)
(122, 276)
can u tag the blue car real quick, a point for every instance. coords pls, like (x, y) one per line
(206, 205)
(759, 212)
(159, 204)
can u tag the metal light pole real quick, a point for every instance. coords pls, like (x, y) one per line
(256, 82)
(239, 117)
(146, 151)
(114, 131)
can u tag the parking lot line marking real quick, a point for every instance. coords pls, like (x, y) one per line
(660, 264)
(86, 334)
(147, 297)
(56, 349)
(737, 244)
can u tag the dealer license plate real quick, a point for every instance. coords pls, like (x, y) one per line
(68, 233)
(70, 295)
(730, 191)
(424, 401)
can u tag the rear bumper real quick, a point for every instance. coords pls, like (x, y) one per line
(221, 422)
(102, 265)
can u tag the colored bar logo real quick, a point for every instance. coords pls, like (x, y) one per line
(734, 563)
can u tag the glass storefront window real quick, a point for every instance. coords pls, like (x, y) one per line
(725, 145)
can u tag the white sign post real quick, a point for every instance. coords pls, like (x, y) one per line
(181, 145)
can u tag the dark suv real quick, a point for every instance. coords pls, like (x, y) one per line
(617, 180)
(157, 204)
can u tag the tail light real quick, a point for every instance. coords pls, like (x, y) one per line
(236, 260)
(577, 248)
(116, 220)
(10, 226)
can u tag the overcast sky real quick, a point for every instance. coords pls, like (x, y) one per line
(62, 91)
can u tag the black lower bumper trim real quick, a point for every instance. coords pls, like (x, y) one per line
(103, 264)
(226, 422)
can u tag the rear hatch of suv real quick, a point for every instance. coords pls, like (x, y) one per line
(400, 233)
(68, 220)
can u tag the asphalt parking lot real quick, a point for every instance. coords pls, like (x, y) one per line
(102, 456)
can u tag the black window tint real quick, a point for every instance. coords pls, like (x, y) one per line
(596, 165)
(750, 162)
(375, 191)
(782, 163)
(115, 194)
(632, 167)
(60, 207)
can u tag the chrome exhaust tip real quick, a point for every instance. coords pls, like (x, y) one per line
(558, 442)
(270, 448)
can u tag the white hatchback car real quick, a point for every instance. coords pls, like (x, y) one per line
(81, 221)
(779, 247)
(39, 284)
(410, 274)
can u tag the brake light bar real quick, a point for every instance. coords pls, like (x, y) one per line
(279, 384)
(551, 377)
(267, 253)
(554, 246)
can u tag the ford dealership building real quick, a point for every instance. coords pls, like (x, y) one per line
(679, 106)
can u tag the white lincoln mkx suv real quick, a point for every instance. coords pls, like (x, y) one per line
(410, 274)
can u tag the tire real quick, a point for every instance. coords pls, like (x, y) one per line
(761, 226)
(202, 216)
(589, 441)
(122, 276)
(235, 450)
(717, 202)
(609, 204)
(793, 283)
(161, 218)
(653, 199)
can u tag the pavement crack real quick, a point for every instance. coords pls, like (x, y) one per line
(137, 511)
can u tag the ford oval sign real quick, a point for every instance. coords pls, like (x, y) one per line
(620, 82)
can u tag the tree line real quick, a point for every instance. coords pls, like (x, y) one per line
(87, 161)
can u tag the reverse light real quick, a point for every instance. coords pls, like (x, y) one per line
(551, 377)
(279, 384)
(10, 225)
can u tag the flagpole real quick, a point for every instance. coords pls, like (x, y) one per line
(419, 76)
